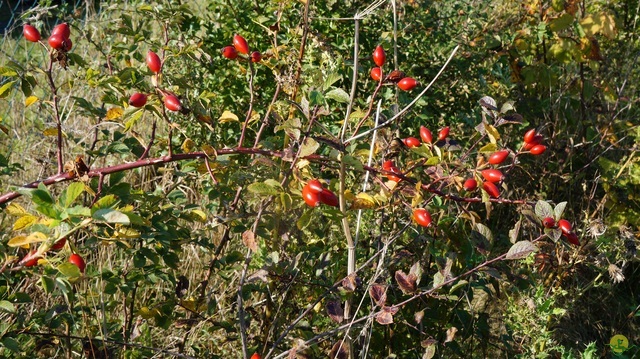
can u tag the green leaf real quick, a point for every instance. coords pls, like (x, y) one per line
(330, 80)
(353, 163)
(544, 210)
(47, 283)
(107, 201)
(305, 219)
(559, 210)
(521, 250)
(72, 192)
(309, 147)
(7, 307)
(263, 189)
(132, 118)
(11, 344)
(111, 216)
(7, 72)
(4, 90)
(69, 270)
(338, 95)
(561, 23)
(316, 98)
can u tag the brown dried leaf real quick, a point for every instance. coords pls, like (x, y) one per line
(451, 334)
(378, 293)
(340, 350)
(249, 240)
(418, 316)
(335, 311)
(349, 283)
(385, 317)
(407, 283)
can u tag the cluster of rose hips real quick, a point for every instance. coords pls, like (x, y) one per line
(313, 194)
(59, 39)
(532, 142)
(31, 259)
(398, 77)
(565, 227)
(240, 46)
(170, 100)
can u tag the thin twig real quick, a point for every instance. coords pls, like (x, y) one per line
(406, 108)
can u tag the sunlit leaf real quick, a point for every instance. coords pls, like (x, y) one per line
(228, 116)
(114, 113)
(30, 101)
(521, 250)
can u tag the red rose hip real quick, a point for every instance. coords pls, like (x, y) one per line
(153, 62)
(172, 103)
(538, 149)
(230, 52)
(256, 56)
(425, 134)
(329, 198)
(31, 33)
(470, 185)
(411, 142)
(492, 175)
(444, 133)
(138, 99)
(422, 217)
(407, 84)
(56, 41)
(379, 56)
(549, 222)
(315, 186)
(491, 189)
(62, 30)
(77, 260)
(310, 197)
(240, 44)
(530, 135)
(565, 226)
(376, 73)
(498, 157)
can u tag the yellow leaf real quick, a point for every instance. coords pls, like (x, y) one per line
(127, 233)
(21, 241)
(52, 131)
(363, 201)
(15, 209)
(188, 145)
(210, 151)
(228, 116)
(189, 304)
(591, 25)
(494, 135)
(609, 26)
(30, 101)
(114, 113)
(199, 215)
(24, 222)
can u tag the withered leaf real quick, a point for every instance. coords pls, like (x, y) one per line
(340, 350)
(249, 240)
(451, 333)
(407, 283)
(385, 316)
(335, 311)
(350, 282)
(378, 293)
